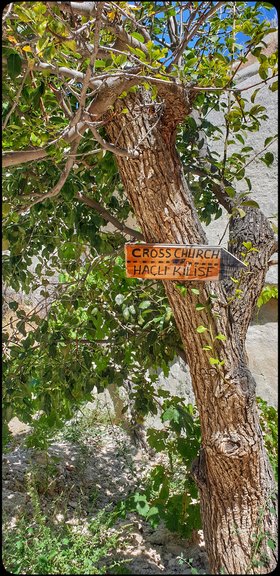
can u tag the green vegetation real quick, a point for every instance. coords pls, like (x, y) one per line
(269, 424)
(37, 546)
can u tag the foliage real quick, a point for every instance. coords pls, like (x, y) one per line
(170, 493)
(105, 328)
(52, 358)
(269, 424)
(37, 546)
(268, 292)
(190, 563)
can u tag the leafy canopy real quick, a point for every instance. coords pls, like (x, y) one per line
(87, 324)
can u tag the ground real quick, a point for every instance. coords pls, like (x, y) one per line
(89, 468)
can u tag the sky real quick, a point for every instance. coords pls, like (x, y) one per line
(267, 13)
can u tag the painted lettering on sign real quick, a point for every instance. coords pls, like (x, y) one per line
(179, 262)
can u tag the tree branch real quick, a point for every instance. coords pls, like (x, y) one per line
(16, 100)
(109, 217)
(61, 71)
(141, 28)
(89, 9)
(255, 228)
(62, 179)
(189, 35)
(15, 158)
(9, 9)
(111, 147)
(61, 101)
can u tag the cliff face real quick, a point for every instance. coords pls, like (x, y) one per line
(264, 180)
(261, 342)
(272, 44)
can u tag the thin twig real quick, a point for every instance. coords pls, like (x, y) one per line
(62, 179)
(226, 88)
(88, 74)
(8, 12)
(189, 36)
(111, 147)
(254, 157)
(224, 233)
(61, 101)
(15, 101)
(108, 216)
(142, 29)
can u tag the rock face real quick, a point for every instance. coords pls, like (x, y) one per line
(263, 359)
(264, 180)
(261, 340)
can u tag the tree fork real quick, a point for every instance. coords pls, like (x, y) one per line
(233, 473)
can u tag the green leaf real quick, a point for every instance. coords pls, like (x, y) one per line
(221, 337)
(6, 208)
(152, 512)
(263, 71)
(119, 299)
(138, 36)
(182, 289)
(254, 96)
(200, 329)
(145, 304)
(274, 86)
(251, 203)
(230, 191)
(242, 213)
(67, 251)
(126, 313)
(157, 439)
(142, 506)
(271, 544)
(199, 307)
(71, 44)
(195, 291)
(5, 244)
(13, 305)
(269, 139)
(267, 158)
(34, 139)
(14, 65)
(213, 361)
(171, 414)
(247, 245)
(240, 138)
(100, 64)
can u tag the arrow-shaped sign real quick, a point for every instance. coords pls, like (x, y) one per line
(179, 262)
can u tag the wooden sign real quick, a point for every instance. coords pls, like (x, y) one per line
(179, 262)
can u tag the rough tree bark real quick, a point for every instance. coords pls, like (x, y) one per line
(232, 472)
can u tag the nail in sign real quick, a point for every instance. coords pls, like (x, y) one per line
(179, 262)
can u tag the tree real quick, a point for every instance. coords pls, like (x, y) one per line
(98, 124)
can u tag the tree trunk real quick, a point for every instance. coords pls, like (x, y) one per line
(233, 473)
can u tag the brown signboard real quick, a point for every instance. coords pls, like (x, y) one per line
(179, 262)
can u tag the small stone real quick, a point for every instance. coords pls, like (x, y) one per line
(138, 538)
(174, 549)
